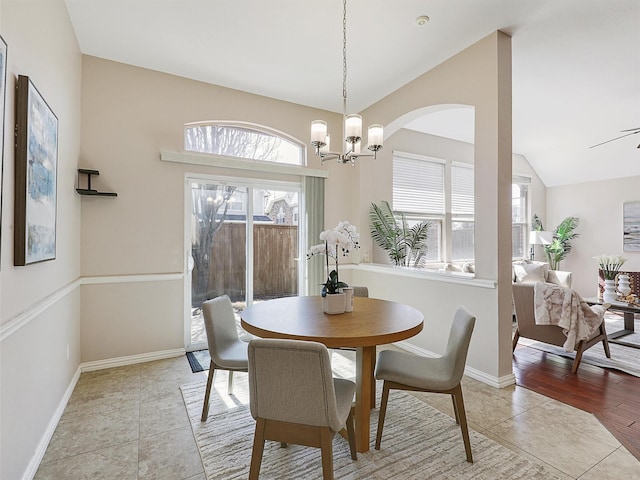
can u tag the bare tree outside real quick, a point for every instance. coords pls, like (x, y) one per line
(217, 211)
(233, 141)
(210, 205)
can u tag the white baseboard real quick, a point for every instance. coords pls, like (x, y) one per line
(32, 468)
(497, 382)
(131, 359)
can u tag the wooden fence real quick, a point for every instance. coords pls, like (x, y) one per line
(275, 271)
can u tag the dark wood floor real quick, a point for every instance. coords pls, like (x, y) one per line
(612, 396)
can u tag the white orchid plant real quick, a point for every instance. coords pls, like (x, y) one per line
(339, 241)
(610, 265)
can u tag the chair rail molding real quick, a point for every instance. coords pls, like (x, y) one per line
(23, 318)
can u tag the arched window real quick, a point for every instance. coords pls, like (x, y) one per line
(243, 140)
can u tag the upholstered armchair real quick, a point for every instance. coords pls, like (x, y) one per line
(524, 303)
(529, 271)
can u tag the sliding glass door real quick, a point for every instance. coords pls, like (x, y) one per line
(243, 241)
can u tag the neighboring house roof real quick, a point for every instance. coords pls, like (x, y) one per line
(290, 198)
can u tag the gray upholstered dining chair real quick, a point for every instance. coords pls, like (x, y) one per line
(360, 292)
(226, 350)
(405, 371)
(295, 399)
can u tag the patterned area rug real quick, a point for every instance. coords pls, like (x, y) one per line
(418, 443)
(623, 358)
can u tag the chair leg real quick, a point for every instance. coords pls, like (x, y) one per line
(516, 336)
(327, 453)
(351, 434)
(258, 448)
(230, 384)
(207, 393)
(455, 408)
(459, 403)
(576, 361)
(605, 340)
(383, 412)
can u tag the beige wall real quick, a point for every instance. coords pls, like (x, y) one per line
(127, 318)
(479, 76)
(42, 46)
(40, 303)
(129, 116)
(598, 205)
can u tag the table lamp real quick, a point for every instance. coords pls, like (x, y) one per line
(539, 237)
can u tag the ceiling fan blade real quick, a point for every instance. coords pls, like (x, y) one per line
(621, 136)
(631, 130)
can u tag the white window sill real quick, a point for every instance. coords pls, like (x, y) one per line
(425, 274)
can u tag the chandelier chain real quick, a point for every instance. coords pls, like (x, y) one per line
(351, 124)
(344, 55)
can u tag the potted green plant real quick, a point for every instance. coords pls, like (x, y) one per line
(406, 246)
(610, 266)
(560, 246)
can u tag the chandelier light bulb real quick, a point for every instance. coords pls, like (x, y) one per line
(353, 126)
(327, 145)
(318, 132)
(375, 136)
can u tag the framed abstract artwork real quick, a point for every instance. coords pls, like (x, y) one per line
(631, 228)
(3, 89)
(36, 176)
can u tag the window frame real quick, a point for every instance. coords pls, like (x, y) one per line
(251, 127)
(447, 218)
(525, 225)
(444, 217)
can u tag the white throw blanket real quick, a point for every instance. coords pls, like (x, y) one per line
(556, 305)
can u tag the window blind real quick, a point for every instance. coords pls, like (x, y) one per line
(521, 180)
(461, 189)
(418, 185)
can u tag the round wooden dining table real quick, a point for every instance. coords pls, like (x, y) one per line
(372, 322)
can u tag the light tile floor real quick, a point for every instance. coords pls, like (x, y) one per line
(131, 423)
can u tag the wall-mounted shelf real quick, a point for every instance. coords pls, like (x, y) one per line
(89, 190)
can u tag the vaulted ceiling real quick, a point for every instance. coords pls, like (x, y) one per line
(576, 63)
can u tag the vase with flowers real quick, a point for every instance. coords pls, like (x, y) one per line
(610, 266)
(339, 241)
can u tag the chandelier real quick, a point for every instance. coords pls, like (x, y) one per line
(351, 125)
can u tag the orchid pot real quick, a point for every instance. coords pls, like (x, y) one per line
(333, 303)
